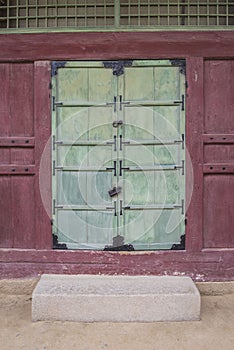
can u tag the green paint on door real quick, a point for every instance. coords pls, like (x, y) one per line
(118, 131)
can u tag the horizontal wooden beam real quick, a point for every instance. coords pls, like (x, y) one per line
(209, 265)
(116, 45)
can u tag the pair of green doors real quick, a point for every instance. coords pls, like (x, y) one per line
(118, 154)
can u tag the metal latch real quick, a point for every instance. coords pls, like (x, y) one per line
(114, 191)
(117, 123)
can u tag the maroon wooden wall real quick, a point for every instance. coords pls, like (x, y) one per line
(25, 230)
(24, 111)
(218, 202)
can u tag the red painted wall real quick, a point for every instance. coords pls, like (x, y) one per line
(25, 129)
(25, 229)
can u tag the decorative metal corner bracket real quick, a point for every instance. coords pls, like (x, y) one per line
(55, 65)
(117, 66)
(56, 244)
(181, 64)
(181, 245)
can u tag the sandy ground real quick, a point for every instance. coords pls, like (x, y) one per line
(214, 331)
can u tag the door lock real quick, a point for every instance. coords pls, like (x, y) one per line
(114, 191)
(117, 123)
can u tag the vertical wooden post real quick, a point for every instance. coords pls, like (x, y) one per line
(42, 125)
(194, 144)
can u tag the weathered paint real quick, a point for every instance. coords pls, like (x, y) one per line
(210, 265)
(209, 251)
(149, 105)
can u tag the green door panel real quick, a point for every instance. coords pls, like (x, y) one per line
(84, 188)
(118, 155)
(74, 230)
(84, 123)
(151, 187)
(151, 229)
(85, 85)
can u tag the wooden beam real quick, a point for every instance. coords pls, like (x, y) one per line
(194, 147)
(116, 45)
(42, 132)
(209, 265)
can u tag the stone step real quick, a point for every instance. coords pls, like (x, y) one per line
(101, 298)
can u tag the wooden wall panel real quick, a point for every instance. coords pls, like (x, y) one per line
(21, 99)
(22, 155)
(6, 228)
(22, 211)
(17, 202)
(5, 99)
(218, 201)
(218, 211)
(5, 155)
(219, 153)
(219, 96)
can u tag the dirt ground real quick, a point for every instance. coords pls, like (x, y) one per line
(215, 330)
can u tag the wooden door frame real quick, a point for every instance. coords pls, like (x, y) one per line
(201, 264)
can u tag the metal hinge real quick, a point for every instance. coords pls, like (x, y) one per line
(54, 206)
(180, 206)
(112, 143)
(180, 167)
(113, 168)
(180, 141)
(55, 103)
(181, 102)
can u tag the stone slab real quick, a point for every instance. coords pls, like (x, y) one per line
(99, 298)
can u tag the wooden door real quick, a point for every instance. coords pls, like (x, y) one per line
(118, 154)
